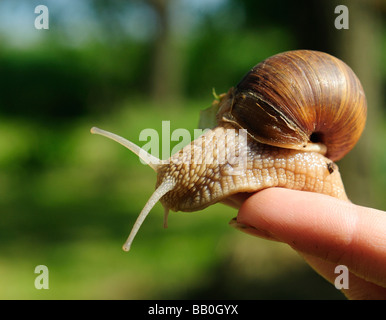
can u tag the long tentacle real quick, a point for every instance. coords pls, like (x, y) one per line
(163, 188)
(149, 159)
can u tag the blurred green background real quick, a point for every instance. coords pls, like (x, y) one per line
(68, 199)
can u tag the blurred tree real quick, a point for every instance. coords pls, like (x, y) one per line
(360, 47)
(164, 76)
(166, 72)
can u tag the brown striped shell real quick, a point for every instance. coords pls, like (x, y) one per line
(296, 98)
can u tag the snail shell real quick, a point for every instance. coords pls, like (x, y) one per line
(299, 97)
(301, 111)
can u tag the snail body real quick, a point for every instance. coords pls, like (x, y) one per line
(283, 125)
(199, 185)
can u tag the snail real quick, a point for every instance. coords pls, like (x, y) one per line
(284, 125)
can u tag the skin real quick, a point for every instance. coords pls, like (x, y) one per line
(339, 233)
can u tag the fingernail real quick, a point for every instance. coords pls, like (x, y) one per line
(251, 230)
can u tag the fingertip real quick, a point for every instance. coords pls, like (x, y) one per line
(267, 205)
(302, 219)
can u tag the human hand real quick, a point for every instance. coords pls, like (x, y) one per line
(326, 231)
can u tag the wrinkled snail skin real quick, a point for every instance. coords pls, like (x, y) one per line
(301, 111)
(200, 185)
